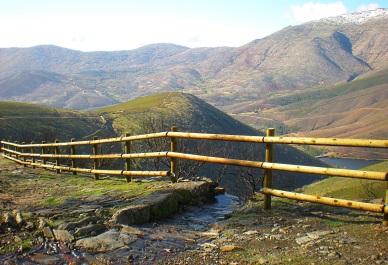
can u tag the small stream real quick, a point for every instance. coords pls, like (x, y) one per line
(153, 241)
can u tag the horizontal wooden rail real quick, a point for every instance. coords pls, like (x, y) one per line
(103, 156)
(284, 140)
(382, 176)
(12, 152)
(328, 171)
(217, 160)
(328, 141)
(378, 208)
(373, 143)
(285, 167)
(91, 142)
(223, 137)
(93, 171)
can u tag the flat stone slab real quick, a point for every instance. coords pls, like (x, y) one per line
(312, 236)
(162, 203)
(63, 235)
(107, 241)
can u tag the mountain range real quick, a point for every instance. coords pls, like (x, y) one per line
(289, 79)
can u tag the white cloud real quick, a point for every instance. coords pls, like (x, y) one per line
(367, 7)
(89, 33)
(315, 10)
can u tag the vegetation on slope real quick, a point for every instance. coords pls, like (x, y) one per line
(186, 111)
(28, 122)
(357, 109)
(56, 190)
(376, 79)
(353, 189)
(157, 113)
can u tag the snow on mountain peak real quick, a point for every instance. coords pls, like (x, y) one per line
(357, 18)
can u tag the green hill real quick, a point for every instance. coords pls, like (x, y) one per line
(28, 122)
(156, 113)
(353, 189)
(186, 111)
(159, 112)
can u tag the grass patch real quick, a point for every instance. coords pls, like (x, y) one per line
(331, 92)
(44, 188)
(24, 245)
(352, 189)
(50, 202)
(138, 105)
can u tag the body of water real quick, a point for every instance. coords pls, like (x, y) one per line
(349, 163)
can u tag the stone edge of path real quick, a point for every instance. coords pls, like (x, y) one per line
(163, 203)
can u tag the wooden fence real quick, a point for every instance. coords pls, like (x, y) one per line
(18, 153)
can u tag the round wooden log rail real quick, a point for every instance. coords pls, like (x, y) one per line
(12, 149)
(378, 208)
(373, 143)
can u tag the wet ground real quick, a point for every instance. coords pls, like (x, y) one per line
(149, 243)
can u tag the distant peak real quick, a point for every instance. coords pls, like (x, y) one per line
(356, 18)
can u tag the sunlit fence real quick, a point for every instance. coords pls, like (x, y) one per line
(52, 155)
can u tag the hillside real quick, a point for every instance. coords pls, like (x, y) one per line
(318, 53)
(324, 78)
(161, 111)
(28, 122)
(186, 111)
(351, 110)
(52, 89)
(351, 189)
(156, 113)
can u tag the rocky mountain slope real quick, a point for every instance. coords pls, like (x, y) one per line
(355, 109)
(324, 78)
(322, 52)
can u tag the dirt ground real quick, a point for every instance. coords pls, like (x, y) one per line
(290, 233)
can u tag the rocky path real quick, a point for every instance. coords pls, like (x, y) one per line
(90, 241)
(294, 233)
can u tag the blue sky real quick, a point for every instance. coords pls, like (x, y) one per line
(91, 25)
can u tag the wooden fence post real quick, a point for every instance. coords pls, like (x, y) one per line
(385, 216)
(23, 151)
(174, 161)
(9, 147)
(3, 146)
(127, 150)
(268, 172)
(16, 149)
(73, 152)
(95, 161)
(57, 152)
(44, 160)
(33, 151)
